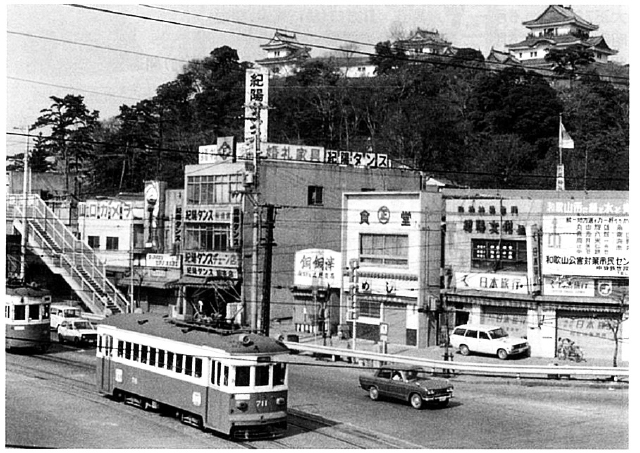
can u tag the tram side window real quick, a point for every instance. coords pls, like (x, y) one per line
(179, 363)
(152, 356)
(136, 352)
(198, 367)
(188, 365)
(7, 311)
(144, 352)
(225, 375)
(214, 366)
(279, 373)
(243, 374)
(34, 312)
(19, 313)
(161, 358)
(127, 350)
(215, 373)
(169, 360)
(120, 348)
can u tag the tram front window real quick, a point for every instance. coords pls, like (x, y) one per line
(34, 312)
(279, 373)
(262, 376)
(20, 313)
(243, 375)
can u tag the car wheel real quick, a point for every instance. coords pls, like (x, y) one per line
(373, 393)
(464, 349)
(502, 354)
(60, 338)
(416, 401)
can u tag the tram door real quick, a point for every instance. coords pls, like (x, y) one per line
(105, 375)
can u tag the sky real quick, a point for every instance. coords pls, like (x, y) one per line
(114, 59)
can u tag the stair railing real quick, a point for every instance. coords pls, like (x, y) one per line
(76, 253)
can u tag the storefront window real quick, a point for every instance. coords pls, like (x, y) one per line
(369, 308)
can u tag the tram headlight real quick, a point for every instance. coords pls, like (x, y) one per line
(242, 405)
(280, 401)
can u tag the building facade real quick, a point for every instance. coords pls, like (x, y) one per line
(542, 264)
(225, 239)
(391, 246)
(132, 235)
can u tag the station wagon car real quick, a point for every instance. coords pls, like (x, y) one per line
(487, 339)
(407, 383)
(77, 331)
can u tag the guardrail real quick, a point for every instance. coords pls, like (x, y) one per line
(486, 369)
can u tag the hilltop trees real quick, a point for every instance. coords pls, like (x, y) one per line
(70, 140)
(453, 118)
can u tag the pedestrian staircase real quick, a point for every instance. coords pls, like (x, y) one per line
(64, 254)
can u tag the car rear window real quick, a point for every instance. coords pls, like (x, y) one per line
(459, 331)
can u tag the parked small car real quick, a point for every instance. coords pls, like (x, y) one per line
(77, 331)
(487, 339)
(407, 383)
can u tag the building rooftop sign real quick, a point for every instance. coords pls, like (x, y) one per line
(298, 153)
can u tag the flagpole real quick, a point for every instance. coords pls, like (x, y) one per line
(560, 138)
(560, 168)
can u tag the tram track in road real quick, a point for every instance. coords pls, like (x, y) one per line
(320, 432)
(74, 377)
(78, 387)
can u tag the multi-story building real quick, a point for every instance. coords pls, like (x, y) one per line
(284, 55)
(134, 236)
(542, 264)
(424, 43)
(558, 27)
(391, 244)
(224, 219)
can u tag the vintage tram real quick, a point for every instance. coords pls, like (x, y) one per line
(27, 318)
(230, 383)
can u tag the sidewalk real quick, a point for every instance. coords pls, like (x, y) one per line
(437, 352)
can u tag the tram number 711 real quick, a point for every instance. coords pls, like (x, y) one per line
(261, 403)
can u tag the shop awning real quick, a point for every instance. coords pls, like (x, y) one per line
(145, 283)
(200, 282)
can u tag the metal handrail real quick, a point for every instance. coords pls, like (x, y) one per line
(515, 371)
(75, 252)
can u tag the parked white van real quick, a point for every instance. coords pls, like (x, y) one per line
(487, 339)
(61, 312)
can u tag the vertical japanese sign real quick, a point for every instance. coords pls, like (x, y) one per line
(255, 111)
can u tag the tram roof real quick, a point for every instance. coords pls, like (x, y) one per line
(26, 291)
(160, 326)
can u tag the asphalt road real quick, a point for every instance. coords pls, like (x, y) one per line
(485, 414)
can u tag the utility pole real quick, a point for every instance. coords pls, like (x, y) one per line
(353, 277)
(256, 223)
(25, 225)
(266, 281)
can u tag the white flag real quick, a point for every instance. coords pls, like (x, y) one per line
(564, 140)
